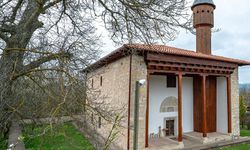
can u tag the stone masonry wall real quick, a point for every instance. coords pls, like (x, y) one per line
(114, 93)
(115, 88)
(235, 103)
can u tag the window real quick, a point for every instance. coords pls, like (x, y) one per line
(171, 81)
(101, 81)
(92, 118)
(92, 83)
(169, 104)
(99, 122)
(170, 109)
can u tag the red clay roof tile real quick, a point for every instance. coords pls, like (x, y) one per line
(125, 50)
(177, 51)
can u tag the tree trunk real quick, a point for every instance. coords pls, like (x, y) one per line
(5, 94)
(11, 61)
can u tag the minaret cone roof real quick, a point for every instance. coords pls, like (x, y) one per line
(201, 2)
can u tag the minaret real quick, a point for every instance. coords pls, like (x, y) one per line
(203, 13)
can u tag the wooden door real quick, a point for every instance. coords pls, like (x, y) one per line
(198, 115)
(169, 127)
(210, 103)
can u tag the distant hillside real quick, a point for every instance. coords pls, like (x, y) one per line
(245, 86)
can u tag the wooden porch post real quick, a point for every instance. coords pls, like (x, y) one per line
(147, 112)
(229, 122)
(204, 105)
(180, 107)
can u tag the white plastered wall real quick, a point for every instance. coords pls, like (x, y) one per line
(222, 105)
(158, 91)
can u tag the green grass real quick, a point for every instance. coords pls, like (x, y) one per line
(238, 147)
(3, 142)
(55, 137)
(244, 132)
(246, 146)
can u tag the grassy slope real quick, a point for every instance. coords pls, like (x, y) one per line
(57, 137)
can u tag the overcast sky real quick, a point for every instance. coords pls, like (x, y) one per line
(233, 39)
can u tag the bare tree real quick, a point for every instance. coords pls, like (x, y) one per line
(39, 35)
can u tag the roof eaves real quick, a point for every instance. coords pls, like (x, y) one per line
(133, 48)
(187, 53)
(114, 55)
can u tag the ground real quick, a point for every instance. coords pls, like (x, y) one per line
(47, 137)
(66, 136)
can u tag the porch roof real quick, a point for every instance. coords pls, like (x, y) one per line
(143, 49)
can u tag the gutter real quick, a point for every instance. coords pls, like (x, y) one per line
(136, 111)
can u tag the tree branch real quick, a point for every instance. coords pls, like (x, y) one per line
(3, 36)
(37, 63)
(28, 50)
(14, 11)
(4, 4)
(42, 60)
(51, 4)
(37, 70)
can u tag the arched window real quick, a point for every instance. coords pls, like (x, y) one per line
(169, 104)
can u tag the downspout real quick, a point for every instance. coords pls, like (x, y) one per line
(136, 111)
(129, 101)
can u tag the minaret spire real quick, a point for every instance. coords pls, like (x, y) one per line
(203, 17)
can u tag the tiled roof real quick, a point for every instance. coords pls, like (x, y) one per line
(163, 49)
(183, 52)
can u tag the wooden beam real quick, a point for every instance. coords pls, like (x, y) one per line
(152, 71)
(188, 60)
(204, 100)
(229, 114)
(147, 112)
(154, 64)
(180, 107)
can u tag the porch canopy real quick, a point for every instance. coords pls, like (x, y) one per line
(201, 69)
(158, 63)
(168, 60)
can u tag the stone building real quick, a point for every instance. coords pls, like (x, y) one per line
(186, 94)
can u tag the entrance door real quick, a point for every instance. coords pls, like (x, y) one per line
(169, 127)
(210, 103)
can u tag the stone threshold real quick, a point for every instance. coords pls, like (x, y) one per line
(217, 145)
(211, 137)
